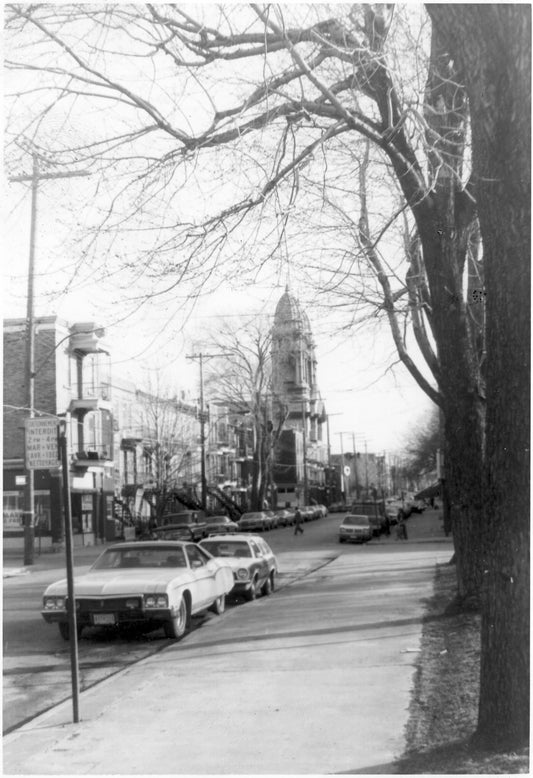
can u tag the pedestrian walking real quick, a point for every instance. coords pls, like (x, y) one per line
(401, 530)
(298, 521)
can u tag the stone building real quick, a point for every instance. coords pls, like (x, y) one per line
(301, 456)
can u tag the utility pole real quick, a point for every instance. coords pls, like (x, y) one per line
(306, 485)
(342, 468)
(355, 467)
(29, 491)
(203, 418)
(366, 470)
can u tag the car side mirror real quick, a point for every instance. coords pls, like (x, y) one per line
(196, 563)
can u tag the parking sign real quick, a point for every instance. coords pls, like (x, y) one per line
(41, 444)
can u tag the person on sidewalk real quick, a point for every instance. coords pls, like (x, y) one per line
(298, 521)
(401, 529)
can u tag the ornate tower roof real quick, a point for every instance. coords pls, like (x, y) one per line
(289, 311)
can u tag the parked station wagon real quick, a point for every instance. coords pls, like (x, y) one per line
(252, 560)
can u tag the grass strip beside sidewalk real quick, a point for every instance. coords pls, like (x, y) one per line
(443, 711)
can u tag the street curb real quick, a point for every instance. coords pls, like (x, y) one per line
(15, 571)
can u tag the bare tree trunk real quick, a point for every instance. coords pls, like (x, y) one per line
(493, 43)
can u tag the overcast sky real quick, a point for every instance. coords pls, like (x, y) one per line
(364, 395)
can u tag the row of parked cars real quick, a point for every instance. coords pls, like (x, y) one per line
(263, 521)
(371, 519)
(163, 582)
(173, 571)
(187, 525)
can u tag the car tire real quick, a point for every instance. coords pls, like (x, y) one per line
(177, 626)
(64, 630)
(266, 589)
(341, 540)
(251, 594)
(219, 605)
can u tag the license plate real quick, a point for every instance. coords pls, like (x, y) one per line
(103, 618)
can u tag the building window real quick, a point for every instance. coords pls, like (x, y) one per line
(13, 510)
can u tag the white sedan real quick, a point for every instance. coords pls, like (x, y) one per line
(152, 583)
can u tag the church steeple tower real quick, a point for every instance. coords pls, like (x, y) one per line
(294, 362)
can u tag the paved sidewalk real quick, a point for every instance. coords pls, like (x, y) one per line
(315, 680)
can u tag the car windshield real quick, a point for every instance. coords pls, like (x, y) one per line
(252, 516)
(141, 557)
(217, 520)
(356, 521)
(227, 549)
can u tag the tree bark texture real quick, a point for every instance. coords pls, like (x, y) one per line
(492, 43)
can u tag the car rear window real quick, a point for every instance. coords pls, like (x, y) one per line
(356, 521)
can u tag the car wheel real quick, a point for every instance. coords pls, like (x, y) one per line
(176, 627)
(219, 605)
(64, 630)
(266, 589)
(251, 594)
(341, 540)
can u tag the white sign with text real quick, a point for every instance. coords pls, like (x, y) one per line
(41, 444)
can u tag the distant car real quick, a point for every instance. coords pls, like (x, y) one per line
(285, 517)
(355, 529)
(171, 532)
(158, 583)
(186, 519)
(273, 517)
(376, 512)
(256, 521)
(218, 524)
(313, 511)
(308, 512)
(253, 563)
(337, 507)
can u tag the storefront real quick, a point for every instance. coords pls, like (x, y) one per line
(91, 505)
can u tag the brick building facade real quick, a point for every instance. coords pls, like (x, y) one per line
(116, 449)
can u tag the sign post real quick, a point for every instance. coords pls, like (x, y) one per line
(71, 602)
